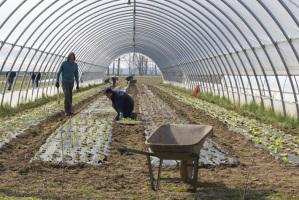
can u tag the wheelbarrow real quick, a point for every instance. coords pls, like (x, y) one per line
(175, 142)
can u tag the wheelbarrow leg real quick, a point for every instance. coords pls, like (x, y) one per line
(195, 173)
(159, 173)
(150, 171)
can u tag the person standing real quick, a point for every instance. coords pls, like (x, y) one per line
(69, 70)
(121, 102)
(10, 77)
(38, 76)
(33, 76)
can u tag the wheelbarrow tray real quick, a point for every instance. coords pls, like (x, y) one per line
(178, 141)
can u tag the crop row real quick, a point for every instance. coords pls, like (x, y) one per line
(280, 144)
(83, 138)
(10, 127)
(156, 112)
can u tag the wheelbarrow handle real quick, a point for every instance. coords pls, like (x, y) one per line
(122, 150)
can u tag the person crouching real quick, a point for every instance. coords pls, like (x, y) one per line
(121, 102)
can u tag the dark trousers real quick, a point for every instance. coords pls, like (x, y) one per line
(68, 92)
(128, 111)
(10, 81)
(36, 83)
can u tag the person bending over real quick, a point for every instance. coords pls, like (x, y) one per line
(121, 102)
(129, 78)
(114, 79)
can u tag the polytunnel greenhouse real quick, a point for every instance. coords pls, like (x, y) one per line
(107, 99)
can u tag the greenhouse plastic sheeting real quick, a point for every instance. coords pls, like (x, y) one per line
(245, 50)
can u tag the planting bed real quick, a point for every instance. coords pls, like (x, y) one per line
(280, 144)
(83, 138)
(10, 127)
(156, 112)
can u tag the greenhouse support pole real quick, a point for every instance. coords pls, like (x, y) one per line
(278, 51)
(282, 58)
(113, 68)
(224, 55)
(243, 49)
(253, 50)
(118, 65)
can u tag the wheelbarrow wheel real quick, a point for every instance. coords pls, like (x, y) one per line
(186, 169)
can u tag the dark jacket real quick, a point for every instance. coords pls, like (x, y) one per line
(38, 76)
(129, 78)
(33, 76)
(113, 78)
(11, 74)
(122, 102)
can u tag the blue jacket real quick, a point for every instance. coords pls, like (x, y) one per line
(69, 71)
(122, 102)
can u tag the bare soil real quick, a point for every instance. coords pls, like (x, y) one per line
(127, 177)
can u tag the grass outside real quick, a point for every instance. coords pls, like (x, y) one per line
(16, 87)
(27, 80)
